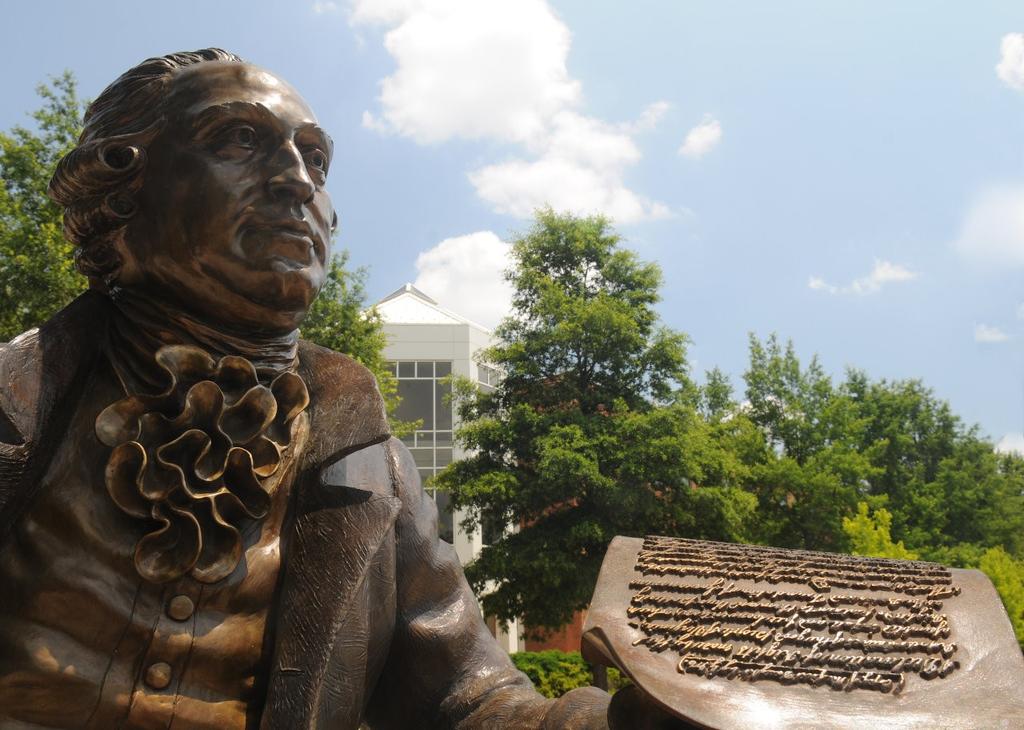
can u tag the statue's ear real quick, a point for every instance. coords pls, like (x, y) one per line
(101, 260)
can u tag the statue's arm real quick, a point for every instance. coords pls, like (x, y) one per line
(444, 668)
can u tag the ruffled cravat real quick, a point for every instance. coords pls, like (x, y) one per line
(200, 459)
(202, 438)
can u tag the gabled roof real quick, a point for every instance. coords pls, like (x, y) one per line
(407, 289)
(408, 305)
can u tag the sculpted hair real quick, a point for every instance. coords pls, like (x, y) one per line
(96, 182)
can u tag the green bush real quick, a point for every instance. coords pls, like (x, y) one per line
(554, 672)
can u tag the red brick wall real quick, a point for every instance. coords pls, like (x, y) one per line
(567, 638)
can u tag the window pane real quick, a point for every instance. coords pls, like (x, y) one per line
(444, 457)
(492, 530)
(424, 370)
(424, 438)
(425, 475)
(409, 441)
(423, 457)
(443, 369)
(443, 438)
(488, 376)
(445, 520)
(417, 402)
(406, 369)
(444, 411)
(392, 367)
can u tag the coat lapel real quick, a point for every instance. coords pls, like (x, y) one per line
(333, 540)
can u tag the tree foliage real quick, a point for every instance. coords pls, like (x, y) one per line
(869, 535)
(37, 273)
(582, 439)
(597, 430)
(1007, 576)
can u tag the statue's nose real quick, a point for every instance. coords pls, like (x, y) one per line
(290, 179)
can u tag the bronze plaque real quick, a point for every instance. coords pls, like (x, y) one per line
(744, 636)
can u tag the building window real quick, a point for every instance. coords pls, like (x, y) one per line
(427, 400)
(487, 378)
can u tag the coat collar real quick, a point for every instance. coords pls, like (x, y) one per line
(341, 523)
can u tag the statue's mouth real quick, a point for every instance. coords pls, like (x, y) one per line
(295, 226)
(286, 245)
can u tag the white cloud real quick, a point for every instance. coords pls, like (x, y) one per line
(884, 272)
(649, 118)
(466, 274)
(1011, 443)
(382, 12)
(579, 169)
(588, 141)
(371, 122)
(1010, 68)
(496, 70)
(519, 187)
(702, 139)
(819, 284)
(474, 69)
(989, 334)
(325, 6)
(993, 229)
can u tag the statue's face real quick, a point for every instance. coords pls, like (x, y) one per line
(233, 222)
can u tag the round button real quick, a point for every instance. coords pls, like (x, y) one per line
(180, 608)
(158, 675)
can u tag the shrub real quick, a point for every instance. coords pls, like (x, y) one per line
(554, 672)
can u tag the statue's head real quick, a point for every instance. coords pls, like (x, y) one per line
(199, 180)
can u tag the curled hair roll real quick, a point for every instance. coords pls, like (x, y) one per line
(89, 175)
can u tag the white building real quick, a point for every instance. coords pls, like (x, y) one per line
(427, 343)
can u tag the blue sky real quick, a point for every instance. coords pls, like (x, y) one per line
(847, 174)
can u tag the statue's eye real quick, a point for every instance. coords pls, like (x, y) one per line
(317, 159)
(242, 136)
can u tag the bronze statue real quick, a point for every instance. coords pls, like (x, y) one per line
(204, 522)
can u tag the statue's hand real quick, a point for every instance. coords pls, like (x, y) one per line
(632, 709)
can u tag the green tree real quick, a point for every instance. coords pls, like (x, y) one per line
(869, 535)
(906, 433)
(814, 472)
(583, 438)
(37, 273)
(799, 408)
(1007, 575)
(715, 396)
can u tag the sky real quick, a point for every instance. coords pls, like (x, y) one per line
(848, 175)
